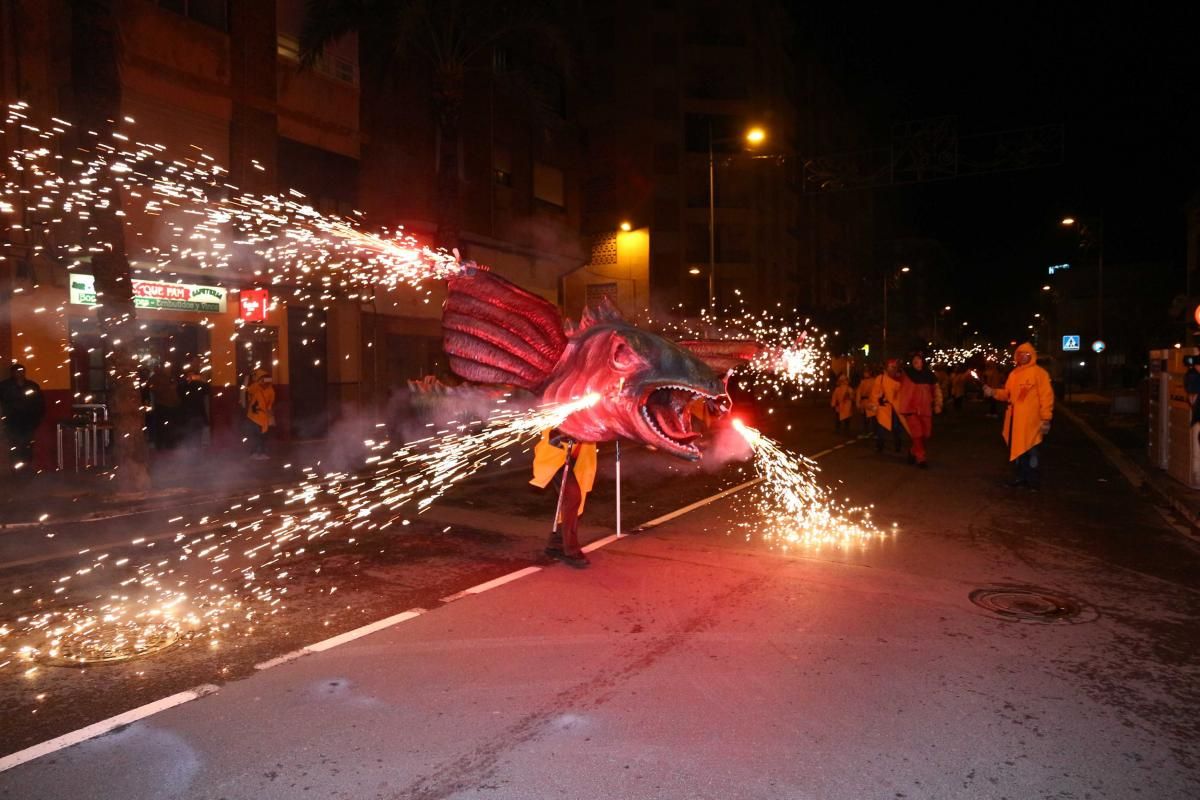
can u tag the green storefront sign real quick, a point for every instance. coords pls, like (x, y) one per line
(155, 295)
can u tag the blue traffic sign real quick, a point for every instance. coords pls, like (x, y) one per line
(1070, 343)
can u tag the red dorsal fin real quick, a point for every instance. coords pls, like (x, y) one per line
(606, 311)
(496, 332)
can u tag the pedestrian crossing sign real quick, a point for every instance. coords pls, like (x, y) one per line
(1070, 344)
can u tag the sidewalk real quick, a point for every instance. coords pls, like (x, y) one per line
(1125, 436)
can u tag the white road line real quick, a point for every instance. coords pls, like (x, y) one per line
(596, 545)
(693, 506)
(102, 727)
(492, 584)
(357, 633)
(645, 526)
(283, 659)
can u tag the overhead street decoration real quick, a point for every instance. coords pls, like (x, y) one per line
(934, 150)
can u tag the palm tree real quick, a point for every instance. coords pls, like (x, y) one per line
(95, 74)
(449, 36)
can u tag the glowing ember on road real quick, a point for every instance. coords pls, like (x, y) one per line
(791, 509)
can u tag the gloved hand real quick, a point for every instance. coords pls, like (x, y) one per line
(988, 391)
(1045, 427)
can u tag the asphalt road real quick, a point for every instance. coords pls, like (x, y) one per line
(693, 660)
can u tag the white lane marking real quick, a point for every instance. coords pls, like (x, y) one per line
(492, 584)
(357, 633)
(283, 659)
(102, 727)
(693, 506)
(596, 545)
(733, 490)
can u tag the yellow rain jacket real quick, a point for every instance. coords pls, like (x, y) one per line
(863, 397)
(548, 460)
(260, 403)
(842, 400)
(886, 388)
(1030, 401)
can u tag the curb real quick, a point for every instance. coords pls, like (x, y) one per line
(1133, 473)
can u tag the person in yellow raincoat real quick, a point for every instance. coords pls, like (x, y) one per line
(887, 387)
(260, 410)
(1030, 399)
(863, 401)
(842, 403)
(549, 456)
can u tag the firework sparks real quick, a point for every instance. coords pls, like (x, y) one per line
(796, 509)
(791, 357)
(216, 578)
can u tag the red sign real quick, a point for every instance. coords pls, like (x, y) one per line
(252, 305)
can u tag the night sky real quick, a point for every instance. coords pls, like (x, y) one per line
(1125, 83)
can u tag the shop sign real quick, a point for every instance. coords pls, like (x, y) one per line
(253, 304)
(155, 295)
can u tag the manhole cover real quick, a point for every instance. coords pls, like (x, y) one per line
(112, 643)
(1028, 604)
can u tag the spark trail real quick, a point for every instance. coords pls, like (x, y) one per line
(792, 509)
(219, 582)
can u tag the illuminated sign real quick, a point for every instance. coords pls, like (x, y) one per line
(253, 305)
(155, 295)
(1070, 343)
(1058, 268)
(1098, 346)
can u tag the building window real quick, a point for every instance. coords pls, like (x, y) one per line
(604, 249)
(500, 59)
(331, 65)
(595, 293)
(502, 165)
(549, 184)
(213, 13)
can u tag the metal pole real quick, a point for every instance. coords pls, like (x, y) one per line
(885, 352)
(563, 487)
(712, 226)
(1100, 300)
(618, 487)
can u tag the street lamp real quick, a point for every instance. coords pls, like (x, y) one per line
(753, 137)
(1086, 231)
(887, 280)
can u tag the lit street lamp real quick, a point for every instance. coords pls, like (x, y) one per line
(753, 137)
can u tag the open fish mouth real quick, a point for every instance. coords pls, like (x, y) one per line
(666, 412)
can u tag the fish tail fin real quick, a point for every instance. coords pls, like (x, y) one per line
(496, 332)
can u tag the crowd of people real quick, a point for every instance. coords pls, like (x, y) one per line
(903, 399)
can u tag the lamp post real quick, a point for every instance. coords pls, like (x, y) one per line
(935, 323)
(1087, 229)
(887, 280)
(753, 137)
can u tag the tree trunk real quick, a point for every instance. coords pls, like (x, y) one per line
(95, 73)
(448, 100)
